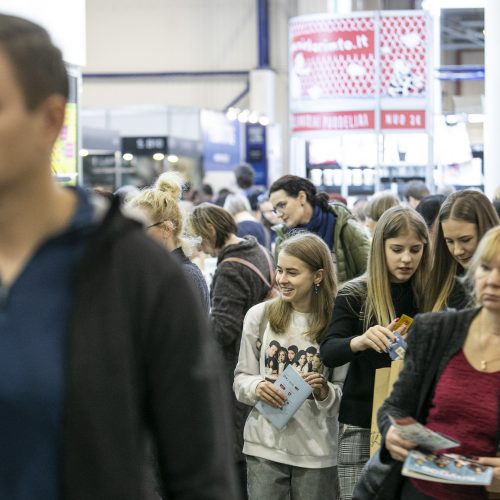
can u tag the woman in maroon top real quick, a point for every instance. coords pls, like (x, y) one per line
(465, 402)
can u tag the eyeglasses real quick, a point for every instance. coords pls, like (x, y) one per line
(280, 207)
(155, 224)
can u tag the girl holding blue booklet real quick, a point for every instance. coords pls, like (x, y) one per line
(298, 461)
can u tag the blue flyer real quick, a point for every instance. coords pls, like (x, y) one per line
(296, 389)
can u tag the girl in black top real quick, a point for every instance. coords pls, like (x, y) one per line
(366, 309)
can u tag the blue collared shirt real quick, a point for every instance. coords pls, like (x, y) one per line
(34, 312)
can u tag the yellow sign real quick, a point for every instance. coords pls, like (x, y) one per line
(64, 155)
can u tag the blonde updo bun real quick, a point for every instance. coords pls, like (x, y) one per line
(170, 183)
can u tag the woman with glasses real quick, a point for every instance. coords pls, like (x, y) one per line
(302, 208)
(160, 204)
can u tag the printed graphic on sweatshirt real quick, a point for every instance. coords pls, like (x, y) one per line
(304, 358)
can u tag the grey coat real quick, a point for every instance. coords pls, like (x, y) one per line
(234, 290)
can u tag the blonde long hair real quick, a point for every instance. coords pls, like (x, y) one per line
(374, 287)
(315, 254)
(467, 205)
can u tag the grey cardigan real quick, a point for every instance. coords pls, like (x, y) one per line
(432, 336)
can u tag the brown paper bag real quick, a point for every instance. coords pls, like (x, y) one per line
(384, 380)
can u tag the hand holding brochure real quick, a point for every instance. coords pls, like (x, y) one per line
(446, 468)
(438, 467)
(397, 349)
(296, 389)
(425, 438)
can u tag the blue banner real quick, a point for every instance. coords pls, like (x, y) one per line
(221, 141)
(256, 153)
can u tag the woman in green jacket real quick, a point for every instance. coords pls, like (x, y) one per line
(301, 207)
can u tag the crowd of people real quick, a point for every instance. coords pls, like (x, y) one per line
(118, 359)
(342, 285)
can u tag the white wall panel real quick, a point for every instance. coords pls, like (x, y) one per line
(63, 19)
(210, 93)
(170, 35)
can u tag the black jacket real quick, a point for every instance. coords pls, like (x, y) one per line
(140, 362)
(347, 323)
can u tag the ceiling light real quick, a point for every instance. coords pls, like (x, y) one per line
(264, 120)
(243, 116)
(232, 114)
(254, 117)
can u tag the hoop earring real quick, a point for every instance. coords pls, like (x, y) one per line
(317, 288)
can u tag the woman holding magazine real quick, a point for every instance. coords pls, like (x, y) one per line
(363, 320)
(463, 389)
(300, 460)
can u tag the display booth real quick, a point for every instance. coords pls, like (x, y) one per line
(360, 100)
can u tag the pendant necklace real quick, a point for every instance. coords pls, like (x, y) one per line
(484, 362)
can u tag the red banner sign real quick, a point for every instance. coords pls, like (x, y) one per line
(334, 120)
(407, 119)
(332, 57)
(403, 55)
(337, 57)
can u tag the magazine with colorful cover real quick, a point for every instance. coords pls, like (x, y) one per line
(446, 468)
(296, 389)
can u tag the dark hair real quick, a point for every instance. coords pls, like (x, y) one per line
(253, 197)
(293, 184)
(429, 206)
(293, 348)
(311, 350)
(207, 189)
(245, 175)
(221, 196)
(416, 189)
(275, 343)
(38, 64)
(301, 353)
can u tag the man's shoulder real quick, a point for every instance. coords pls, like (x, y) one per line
(121, 240)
